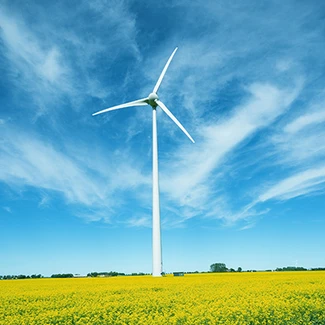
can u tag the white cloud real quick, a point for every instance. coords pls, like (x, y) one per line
(300, 142)
(118, 16)
(308, 182)
(306, 120)
(296, 149)
(27, 160)
(297, 185)
(283, 65)
(142, 221)
(31, 162)
(41, 66)
(58, 61)
(25, 50)
(45, 200)
(51, 68)
(7, 209)
(191, 169)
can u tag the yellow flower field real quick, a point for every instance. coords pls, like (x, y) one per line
(229, 298)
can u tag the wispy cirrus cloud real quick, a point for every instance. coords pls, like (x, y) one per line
(306, 120)
(191, 168)
(56, 64)
(229, 87)
(139, 221)
(7, 209)
(299, 184)
(308, 182)
(28, 161)
(213, 73)
(37, 68)
(299, 141)
(297, 147)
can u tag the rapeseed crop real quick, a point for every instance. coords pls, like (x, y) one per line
(287, 298)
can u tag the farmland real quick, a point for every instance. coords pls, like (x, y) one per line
(229, 298)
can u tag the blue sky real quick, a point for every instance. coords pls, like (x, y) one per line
(247, 83)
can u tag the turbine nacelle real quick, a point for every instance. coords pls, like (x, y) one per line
(152, 99)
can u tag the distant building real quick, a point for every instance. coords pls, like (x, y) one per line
(178, 273)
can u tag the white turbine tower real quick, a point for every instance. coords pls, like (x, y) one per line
(153, 101)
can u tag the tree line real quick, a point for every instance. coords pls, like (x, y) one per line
(20, 276)
(215, 268)
(62, 275)
(97, 274)
(67, 275)
(221, 267)
(290, 268)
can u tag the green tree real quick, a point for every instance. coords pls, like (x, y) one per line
(218, 267)
(291, 268)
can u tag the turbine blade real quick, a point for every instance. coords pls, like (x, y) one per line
(163, 72)
(169, 113)
(139, 102)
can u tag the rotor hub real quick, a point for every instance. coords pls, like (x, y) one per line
(153, 97)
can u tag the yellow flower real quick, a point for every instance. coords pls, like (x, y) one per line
(229, 299)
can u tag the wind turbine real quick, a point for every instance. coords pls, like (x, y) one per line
(153, 101)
